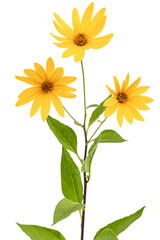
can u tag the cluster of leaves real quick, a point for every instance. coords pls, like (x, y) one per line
(109, 232)
(71, 183)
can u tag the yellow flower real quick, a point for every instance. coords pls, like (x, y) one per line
(82, 36)
(47, 86)
(127, 100)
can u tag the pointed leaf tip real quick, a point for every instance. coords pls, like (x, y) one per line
(41, 233)
(97, 112)
(122, 224)
(110, 136)
(65, 208)
(66, 135)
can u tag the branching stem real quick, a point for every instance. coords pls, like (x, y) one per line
(97, 129)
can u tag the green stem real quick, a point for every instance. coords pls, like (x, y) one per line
(85, 188)
(97, 129)
(84, 94)
(80, 215)
(85, 155)
(79, 158)
(70, 114)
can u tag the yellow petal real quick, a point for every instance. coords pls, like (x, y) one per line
(79, 55)
(58, 73)
(110, 110)
(27, 95)
(28, 80)
(66, 80)
(86, 19)
(63, 24)
(62, 30)
(138, 90)
(65, 94)
(64, 45)
(45, 106)
(36, 105)
(136, 114)
(143, 99)
(29, 92)
(133, 86)
(61, 39)
(120, 114)
(75, 20)
(69, 52)
(137, 105)
(50, 68)
(110, 101)
(127, 113)
(116, 83)
(40, 71)
(125, 83)
(64, 88)
(21, 102)
(32, 74)
(57, 104)
(96, 21)
(100, 42)
(111, 91)
(98, 29)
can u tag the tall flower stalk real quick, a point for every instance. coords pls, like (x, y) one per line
(48, 85)
(85, 155)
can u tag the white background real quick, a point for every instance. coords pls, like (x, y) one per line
(125, 176)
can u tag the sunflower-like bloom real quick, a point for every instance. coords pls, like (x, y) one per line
(127, 100)
(82, 36)
(47, 86)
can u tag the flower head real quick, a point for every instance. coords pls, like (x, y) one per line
(82, 36)
(126, 100)
(47, 86)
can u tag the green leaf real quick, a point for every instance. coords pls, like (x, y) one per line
(110, 136)
(122, 224)
(64, 134)
(65, 208)
(70, 178)
(106, 234)
(97, 112)
(92, 105)
(78, 124)
(41, 233)
(86, 166)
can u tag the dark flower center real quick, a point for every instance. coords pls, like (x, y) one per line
(122, 97)
(80, 40)
(47, 86)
